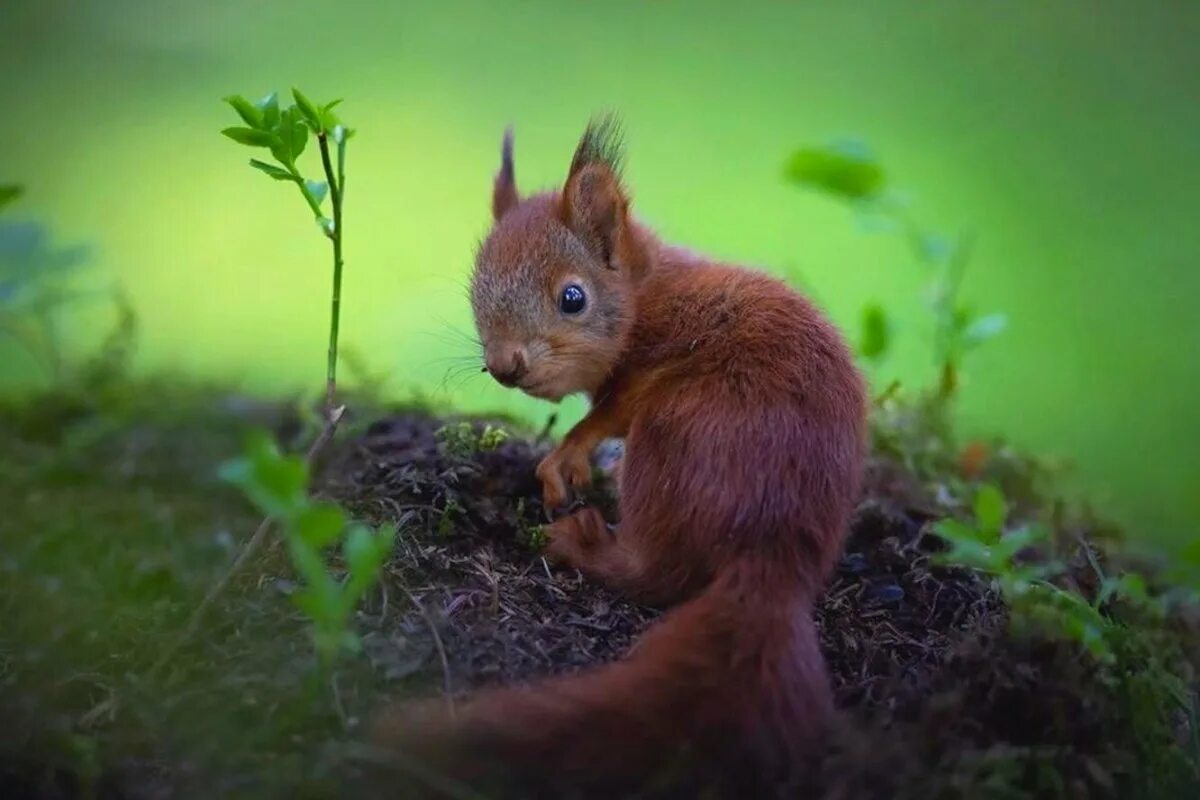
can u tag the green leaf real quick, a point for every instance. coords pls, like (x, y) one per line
(365, 553)
(329, 120)
(292, 136)
(984, 328)
(251, 114)
(269, 106)
(968, 547)
(870, 218)
(875, 336)
(311, 114)
(278, 173)
(275, 482)
(9, 192)
(966, 552)
(839, 171)
(990, 509)
(318, 601)
(300, 134)
(251, 137)
(954, 531)
(320, 525)
(935, 249)
(318, 189)
(1130, 586)
(1015, 541)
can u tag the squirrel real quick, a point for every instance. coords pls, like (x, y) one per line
(743, 416)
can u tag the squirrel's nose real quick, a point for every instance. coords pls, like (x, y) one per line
(507, 364)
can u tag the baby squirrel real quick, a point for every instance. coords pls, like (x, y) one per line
(743, 417)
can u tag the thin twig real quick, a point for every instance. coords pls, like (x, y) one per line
(331, 423)
(437, 642)
(1090, 556)
(337, 700)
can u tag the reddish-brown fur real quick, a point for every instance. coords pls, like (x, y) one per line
(743, 418)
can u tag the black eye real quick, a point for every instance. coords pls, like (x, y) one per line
(572, 300)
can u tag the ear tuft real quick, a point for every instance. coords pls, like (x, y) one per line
(504, 190)
(594, 203)
(602, 143)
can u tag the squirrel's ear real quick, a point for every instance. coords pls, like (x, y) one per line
(594, 205)
(594, 208)
(504, 191)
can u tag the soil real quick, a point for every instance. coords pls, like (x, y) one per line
(919, 655)
(939, 699)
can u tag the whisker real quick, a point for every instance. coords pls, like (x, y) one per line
(462, 360)
(453, 339)
(455, 378)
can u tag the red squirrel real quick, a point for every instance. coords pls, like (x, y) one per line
(743, 417)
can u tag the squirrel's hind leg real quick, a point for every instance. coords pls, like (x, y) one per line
(584, 540)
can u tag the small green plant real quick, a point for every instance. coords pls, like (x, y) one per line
(987, 544)
(278, 485)
(38, 280)
(450, 514)
(535, 537)
(531, 534)
(464, 439)
(284, 133)
(850, 173)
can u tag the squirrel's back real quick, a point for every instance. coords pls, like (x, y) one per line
(750, 438)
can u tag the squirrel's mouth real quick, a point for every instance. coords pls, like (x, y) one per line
(541, 390)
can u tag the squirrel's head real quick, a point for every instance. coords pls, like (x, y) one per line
(552, 286)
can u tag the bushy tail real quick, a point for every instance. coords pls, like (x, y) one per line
(727, 689)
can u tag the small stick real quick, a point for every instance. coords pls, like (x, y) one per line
(437, 642)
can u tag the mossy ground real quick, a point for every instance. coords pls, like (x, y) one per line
(114, 525)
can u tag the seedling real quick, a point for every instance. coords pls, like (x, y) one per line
(989, 545)
(464, 439)
(284, 133)
(849, 172)
(37, 281)
(449, 515)
(278, 485)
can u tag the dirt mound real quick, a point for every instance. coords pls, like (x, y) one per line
(939, 698)
(919, 654)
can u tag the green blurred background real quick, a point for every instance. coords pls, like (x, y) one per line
(1065, 134)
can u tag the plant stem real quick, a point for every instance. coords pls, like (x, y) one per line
(335, 195)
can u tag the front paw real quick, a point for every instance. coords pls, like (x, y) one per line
(564, 470)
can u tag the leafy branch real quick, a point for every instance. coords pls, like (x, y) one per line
(278, 484)
(849, 172)
(285, 133)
